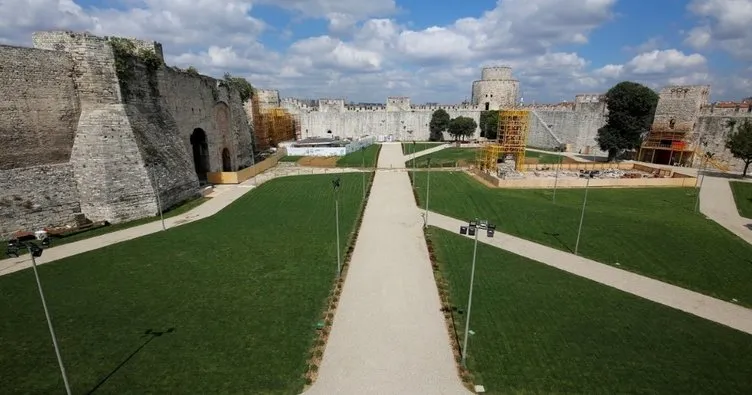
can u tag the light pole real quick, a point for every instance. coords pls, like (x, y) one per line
(701, 176)
(336, 184)
(35, 251)
(472, 230)
(582, 216)
(556, 180)
(363, 158)
(428, 191)
(159, 201)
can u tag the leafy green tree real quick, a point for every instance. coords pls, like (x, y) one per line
(631, 108)
(241, 85)
(740, 142)
(438, 125)
(462, 127)
(192, 70)
(489, 124)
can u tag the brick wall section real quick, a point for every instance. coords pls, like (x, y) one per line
(38, 107)
(35, 197)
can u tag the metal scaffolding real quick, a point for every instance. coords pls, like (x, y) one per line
(273, 126)
(511, 138)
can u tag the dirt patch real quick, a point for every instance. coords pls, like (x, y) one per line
(318, 161)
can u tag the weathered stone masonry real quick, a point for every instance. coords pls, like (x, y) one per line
(92, 130)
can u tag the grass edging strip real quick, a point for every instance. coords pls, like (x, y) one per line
(327, 318)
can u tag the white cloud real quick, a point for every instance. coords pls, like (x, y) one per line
(723, 23)
(664, 61)
(365, 54)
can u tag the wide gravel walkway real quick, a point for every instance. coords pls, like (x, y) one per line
(717, 203)
(389, 335)
(725, 313)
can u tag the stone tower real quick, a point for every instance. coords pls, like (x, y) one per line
(496, 89)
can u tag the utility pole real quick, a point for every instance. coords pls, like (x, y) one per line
(556, 180)
(582, 216)
(336, 185)
(428, 192)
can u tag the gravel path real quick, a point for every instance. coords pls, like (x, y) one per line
(388, 335)
(717, 203)
(222, 196)
(717, 310)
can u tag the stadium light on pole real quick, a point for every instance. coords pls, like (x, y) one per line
(336, 185)
(473, 229)
(36, 251)
(556, 180)
(428, 191)
(582, 216)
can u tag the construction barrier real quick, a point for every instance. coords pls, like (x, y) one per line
(236, 177)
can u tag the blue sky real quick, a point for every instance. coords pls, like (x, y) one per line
(428, 50)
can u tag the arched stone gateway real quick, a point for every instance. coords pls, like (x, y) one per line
(226, 160)
(200, 153)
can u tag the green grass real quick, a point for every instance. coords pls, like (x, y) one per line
(355, 159)
(743, 197)
(544, 158)
(448, 157)
(652, 231)
(542, 330)
(72, 237)
(409, 148)
(242, 289)
(290, 158)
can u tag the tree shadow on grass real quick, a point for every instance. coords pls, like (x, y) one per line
(151, 336)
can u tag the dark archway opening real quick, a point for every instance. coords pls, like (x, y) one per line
(200, 153)
(487, 105)
(226, 162)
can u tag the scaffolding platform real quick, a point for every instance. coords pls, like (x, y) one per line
(513, 129)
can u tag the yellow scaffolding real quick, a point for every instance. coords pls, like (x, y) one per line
(511, 138)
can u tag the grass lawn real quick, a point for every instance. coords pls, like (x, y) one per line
(743, 197)
(85, 234)
(290, 158)
(242, 289)
(542, 330)
(409, 148)
(651, 231)
(448, 157)
(544, 158)
(355, 159)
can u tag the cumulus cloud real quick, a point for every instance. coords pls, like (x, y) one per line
(723, 23)
(366, 54)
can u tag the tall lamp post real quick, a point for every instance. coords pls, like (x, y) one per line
(701, 176)
(36, 252)
(428, 191)
(582, 216)
(473, 229)
(335, 185)
(556, 180)
(363, 168)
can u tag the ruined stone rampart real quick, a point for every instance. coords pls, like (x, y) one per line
(124, 126)
(39, 107)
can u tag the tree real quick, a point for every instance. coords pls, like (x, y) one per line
(489, 124)
(242, 85)
(192, 70)
(438, 125)
(461, 127)
(740, 142)
(631, 108)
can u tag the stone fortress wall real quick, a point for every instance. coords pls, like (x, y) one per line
(575, 123)
(89, 132)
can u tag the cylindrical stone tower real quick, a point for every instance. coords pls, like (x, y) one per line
(497, 89)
